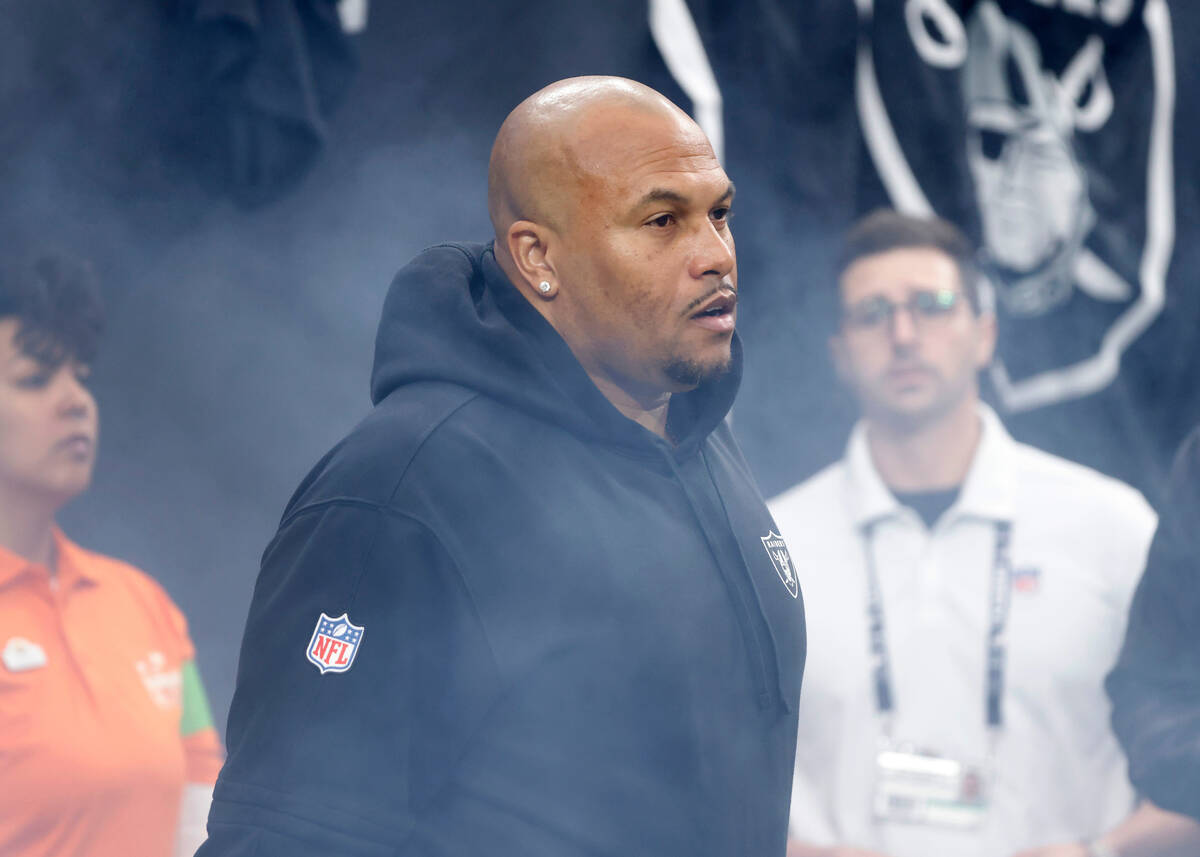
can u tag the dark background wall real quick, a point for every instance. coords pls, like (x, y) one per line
(240, 338)
(246, 183)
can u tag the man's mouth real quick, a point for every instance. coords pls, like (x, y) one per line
(909, 373)
(718, 312)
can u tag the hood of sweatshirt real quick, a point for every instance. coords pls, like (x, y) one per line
(453, 316)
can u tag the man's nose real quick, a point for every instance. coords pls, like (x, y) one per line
(714, 253)
(903, 326)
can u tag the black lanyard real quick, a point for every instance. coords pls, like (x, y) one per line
(998, 601)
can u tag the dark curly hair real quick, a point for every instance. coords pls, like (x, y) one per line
(56, 302)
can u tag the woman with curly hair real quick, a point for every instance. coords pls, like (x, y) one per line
(107, 745)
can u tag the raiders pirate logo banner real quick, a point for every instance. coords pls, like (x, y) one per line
(1057, 115)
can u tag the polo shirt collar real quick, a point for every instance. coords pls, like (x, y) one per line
(988, 492)
(870, 499)
(73, 566)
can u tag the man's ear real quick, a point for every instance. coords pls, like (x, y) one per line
(531, 247)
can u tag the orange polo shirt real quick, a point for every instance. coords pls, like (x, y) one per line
(102, 715)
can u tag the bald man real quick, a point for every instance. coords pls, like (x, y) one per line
(534, 604)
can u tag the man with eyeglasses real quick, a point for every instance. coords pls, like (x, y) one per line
(966, 594)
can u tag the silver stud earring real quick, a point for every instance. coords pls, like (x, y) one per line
(544, 287)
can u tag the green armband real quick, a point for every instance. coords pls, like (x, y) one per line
(196, 713)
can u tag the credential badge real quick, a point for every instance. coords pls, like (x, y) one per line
(780, 558)
(334, 643)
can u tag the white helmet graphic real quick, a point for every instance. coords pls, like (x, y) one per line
(1031, 188)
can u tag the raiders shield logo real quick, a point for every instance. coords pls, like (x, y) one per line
(334, 643)
(1064, 132)
(782, 560)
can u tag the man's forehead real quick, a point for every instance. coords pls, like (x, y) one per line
(630, 140)
(899, 270)
(663, 177)
(629, 194)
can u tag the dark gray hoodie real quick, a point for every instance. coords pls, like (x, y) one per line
(577, 639)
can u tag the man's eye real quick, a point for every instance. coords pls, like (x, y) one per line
(663, 220)
(870, 313)
(935, 303)
(83, 373)
(874, 314)
(721, 215)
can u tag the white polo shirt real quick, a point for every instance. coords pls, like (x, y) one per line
(1079, 541)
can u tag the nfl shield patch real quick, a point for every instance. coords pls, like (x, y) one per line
(782, 560)
(334, 643)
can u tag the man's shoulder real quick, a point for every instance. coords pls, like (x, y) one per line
(1059, 483)
(370, 463)
(813, 498)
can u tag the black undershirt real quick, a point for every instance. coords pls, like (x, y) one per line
(930, 505)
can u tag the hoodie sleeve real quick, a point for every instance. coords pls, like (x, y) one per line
(359, 635)
(1155, 686)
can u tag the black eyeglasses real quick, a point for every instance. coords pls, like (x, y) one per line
(926, 307)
